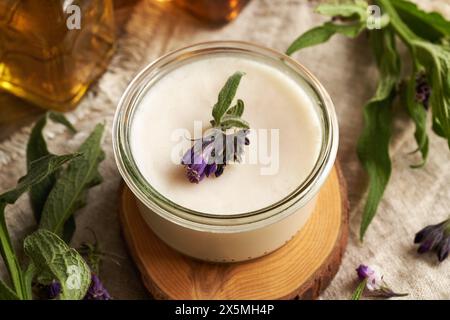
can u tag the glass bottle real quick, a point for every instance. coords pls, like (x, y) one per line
(217, 11)
(52, 50)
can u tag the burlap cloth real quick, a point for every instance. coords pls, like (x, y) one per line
(413, 199)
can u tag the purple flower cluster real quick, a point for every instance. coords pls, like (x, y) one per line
(435, 238)
(96, 290)
(423, 90)
(211, 154)
(54, 289)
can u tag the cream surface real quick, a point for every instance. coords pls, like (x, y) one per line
(273, 101)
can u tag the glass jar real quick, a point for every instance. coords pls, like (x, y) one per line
(52, 50)
(231, 237)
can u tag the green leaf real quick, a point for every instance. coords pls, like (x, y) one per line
(69, 228)
(428, 25)
(28, 276)
(230, 121)
(6, 293)
(373, 144)
(70, 190)
(237, 110)
(436, 61)
(323, 33)
(357, 9)
(418, 114)
(37, 148)
(61, 119)
(357, 294)
(50, 254)
(226, 96)
(39, 170)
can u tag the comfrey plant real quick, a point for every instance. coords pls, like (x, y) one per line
(57, 186)
(209, 155)
(426, 35)
(372, 284)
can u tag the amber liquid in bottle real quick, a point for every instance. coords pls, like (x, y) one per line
(218, 11)
(45, 61)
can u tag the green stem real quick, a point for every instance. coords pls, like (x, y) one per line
(9, 256)
(400, 27)
(28, 276)
(359, 290)
(6, 293)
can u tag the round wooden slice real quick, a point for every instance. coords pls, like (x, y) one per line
(299, 270)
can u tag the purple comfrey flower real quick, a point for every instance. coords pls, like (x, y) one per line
(374, 283)
(199, 160)
(364, 271)
(374, 280)
(435, 238)
(96, 290)
(211, 154)
(54, 289)
(423, 90)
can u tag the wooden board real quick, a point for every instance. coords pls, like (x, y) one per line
(299, 270)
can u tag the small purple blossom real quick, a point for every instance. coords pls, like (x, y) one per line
(96, 290)
(435, 238)
(211, 154)
(364, 271)
(54, 289)
(374, 280)
(199, 160)
(374, 284)
(423, 90)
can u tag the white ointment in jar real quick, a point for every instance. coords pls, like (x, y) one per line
(255, 206)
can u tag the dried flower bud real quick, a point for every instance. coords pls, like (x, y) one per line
(423, 90)
(210, 155)
(435, 238)
(375, 285)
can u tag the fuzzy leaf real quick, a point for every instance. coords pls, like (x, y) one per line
(226, 96)
(7, 293)
(436, 61)
(230, 121)
(61, 119)
(373, 144)
(323, 33)
(427, 25)
(37, 148)
(356, 9)
(39, 170)
(70, 189)
(418, 114)
(51, 255)
(237, 110)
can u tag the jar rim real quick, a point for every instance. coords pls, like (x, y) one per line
(167, 209)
